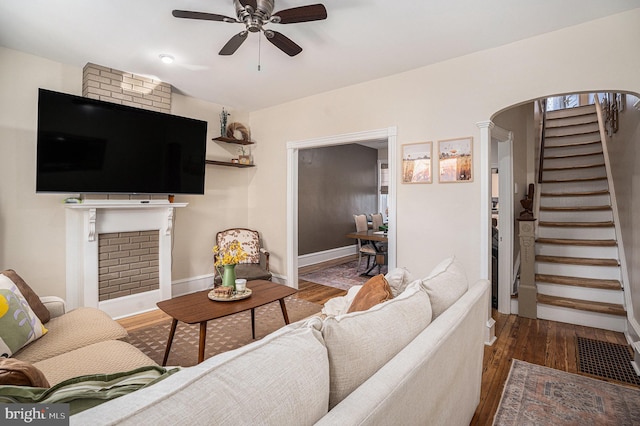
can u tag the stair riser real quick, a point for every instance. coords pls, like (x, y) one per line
(551, 153)
(571, 130)
(550, 142)
(606, 233)
(592, 200)
(571, 121)
(560, 187)
(574, 161)
(573, 173)
(577, 251)
(597, 272)
(571, 112)
(582, 293)
(576, 216)
(584, 318)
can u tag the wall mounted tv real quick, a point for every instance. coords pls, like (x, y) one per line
(86, 146)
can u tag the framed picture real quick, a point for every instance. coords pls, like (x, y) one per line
(455, 160)
(416, 163)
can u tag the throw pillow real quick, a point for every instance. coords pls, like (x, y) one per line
(19, 325)
(21, 373)
(398, 279)
(360, 343)
(446, 284)
(374, 291)
(32, 298)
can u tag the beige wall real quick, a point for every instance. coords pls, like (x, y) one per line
(624, 155)
(442, 101)
(32, 233)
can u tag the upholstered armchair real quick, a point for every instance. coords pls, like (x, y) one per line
(256, 266)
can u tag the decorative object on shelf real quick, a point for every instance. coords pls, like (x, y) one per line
(527, 204)
(241, 129)
(244, 155)
(455, 160)
(416, 163)
(228, 257)
(223, 121)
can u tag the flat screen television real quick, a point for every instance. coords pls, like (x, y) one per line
(87, 146)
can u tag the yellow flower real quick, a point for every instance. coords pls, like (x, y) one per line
(229, 255)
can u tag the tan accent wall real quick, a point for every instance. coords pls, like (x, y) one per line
(128, 263)
(111, 85)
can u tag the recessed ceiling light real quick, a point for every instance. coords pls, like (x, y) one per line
(167, 59)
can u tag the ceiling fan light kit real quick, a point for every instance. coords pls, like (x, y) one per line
(255, 14)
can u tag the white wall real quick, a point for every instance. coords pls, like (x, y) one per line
(442, 101)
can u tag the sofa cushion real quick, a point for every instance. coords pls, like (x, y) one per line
(281, 379)
(32, 298)
(398, 279)
(75, 329)
(445, 284)
(375, 290)
(108, 357)
(19, 373)
(360, 343)
(19, 325)
(86, 391)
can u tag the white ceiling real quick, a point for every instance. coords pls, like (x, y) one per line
(361, 40)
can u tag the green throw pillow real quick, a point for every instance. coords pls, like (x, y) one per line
(84, 392)
(19, 325)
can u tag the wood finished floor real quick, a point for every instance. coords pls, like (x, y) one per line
(542, 342)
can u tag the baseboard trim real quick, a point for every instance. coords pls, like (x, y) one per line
(326, 255)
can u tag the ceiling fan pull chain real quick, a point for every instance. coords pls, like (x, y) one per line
(259, 46)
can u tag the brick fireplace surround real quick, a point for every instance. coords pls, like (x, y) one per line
(118, 247)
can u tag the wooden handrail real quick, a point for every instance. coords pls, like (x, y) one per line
(544, 123)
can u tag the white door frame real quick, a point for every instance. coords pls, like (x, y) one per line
(292, 190)
(505, 217)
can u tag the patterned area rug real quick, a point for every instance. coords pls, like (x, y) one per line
(342, 276)
(537, 395)
(223, 334)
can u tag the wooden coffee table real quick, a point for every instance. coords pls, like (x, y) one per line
(197, 308)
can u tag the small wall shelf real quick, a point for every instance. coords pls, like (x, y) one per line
(228, 164)
(233, 140)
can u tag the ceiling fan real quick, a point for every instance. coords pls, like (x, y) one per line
(255, 14)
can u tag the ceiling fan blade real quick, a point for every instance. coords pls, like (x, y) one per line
(313, 12)
(201, 15)
(234, 43)
(252, 3)
(283, 43)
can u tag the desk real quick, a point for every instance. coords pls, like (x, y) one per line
(374, 237)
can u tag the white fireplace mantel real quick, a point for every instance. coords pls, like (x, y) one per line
(84, 222)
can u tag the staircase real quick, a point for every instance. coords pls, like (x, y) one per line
(577, 266)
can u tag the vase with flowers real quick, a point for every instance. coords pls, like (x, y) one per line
(227, 258)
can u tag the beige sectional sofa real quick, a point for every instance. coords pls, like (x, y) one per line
(80, 342)
(38, 332)
(414, 359)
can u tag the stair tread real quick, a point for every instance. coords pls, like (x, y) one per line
(575, 194)
(584, 305)
(578, 260)
(586, 166)
(576, 208)
(604, 224)
(584, 179)
(576, 111)
(580, 282)
(571, 145)
(574, 242)
(574, 133)
(557, 157)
